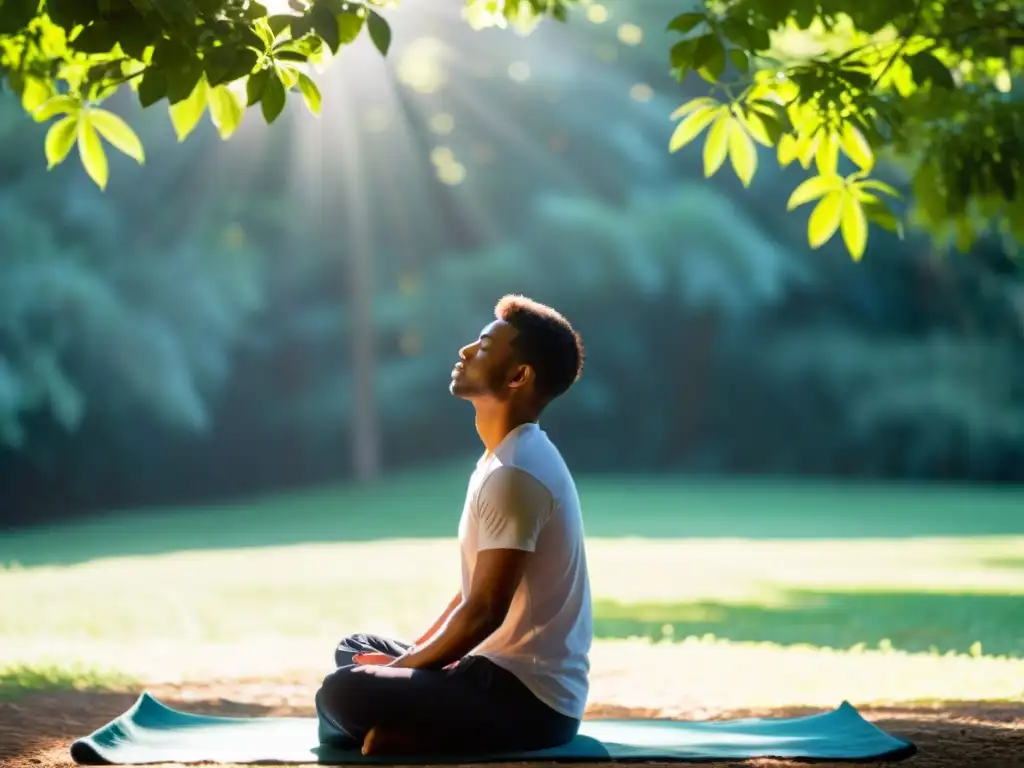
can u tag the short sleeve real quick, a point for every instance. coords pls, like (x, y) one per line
(512, 508)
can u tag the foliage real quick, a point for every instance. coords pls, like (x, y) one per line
(104, 320)
(934, 407)
(821, 82)
(661, 259)
(929, 81)
(692, 313)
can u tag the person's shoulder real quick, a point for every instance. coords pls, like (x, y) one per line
(511, 478)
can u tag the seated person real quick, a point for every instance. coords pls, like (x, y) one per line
(506, 665)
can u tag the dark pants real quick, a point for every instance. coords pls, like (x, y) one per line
(473, 706)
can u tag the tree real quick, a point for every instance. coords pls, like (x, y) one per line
(926, 84)
(89, 337)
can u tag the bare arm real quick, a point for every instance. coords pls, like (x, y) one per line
(376, 659)
(440, 621)
(512, 507)
(496, 577)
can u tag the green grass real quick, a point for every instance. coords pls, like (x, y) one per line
(16, 678)
(844, 601)
(426, 504)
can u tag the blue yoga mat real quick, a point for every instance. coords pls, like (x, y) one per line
(151, 732)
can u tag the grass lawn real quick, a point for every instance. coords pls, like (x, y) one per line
(750, 594)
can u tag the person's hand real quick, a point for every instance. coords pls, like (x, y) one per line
(373, 659)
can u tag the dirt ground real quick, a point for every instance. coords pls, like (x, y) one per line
(37, 729)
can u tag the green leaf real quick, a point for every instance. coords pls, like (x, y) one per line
(812, 189)
(273, 99)
(186, 113)
(380, 32)
(302, 26)
(856, 147)
(766, 121)
(171, 54)
(689, 128)
(90, 149)
(736, 30)
(115, 130)
(98, 37)
(684, 22)
(182, 82)
(824, 219)
(221, 62)
(134, 34)
(809, 149)
(36, 93)
(693, 105)
(326, 26)
(256, 10)
(153, 87)
(263, 31)
(878, 212)
(15, 15)
(739, 59)
(288, 75)
(855, 226)
(742, 153)
(758, 38)
(879, 186)
(255, 86)
(279, 22)
(58, 105)
(716, 145)
(310, 93)
(827, 155)
(774, 110)
(225, 110)
(60, 138)
(857, 79)
(349, 24)
(288, 54)
(788, 149)
(682, 54)
(926, 68)
(709, 58)
(68, 13)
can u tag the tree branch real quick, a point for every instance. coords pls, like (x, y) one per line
(903, 44)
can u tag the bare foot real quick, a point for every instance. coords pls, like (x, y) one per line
(384, 741)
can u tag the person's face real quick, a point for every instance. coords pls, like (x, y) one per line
(488, 367)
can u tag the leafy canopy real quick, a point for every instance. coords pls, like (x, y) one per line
(832, 85)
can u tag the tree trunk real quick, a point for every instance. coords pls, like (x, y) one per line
(365, 432)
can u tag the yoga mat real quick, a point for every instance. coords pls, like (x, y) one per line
(151, 732)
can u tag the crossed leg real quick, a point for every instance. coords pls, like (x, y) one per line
(364, 643)
(472, 706)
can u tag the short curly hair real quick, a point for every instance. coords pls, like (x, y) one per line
(544, 340)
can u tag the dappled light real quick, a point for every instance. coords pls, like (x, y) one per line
(919, 622)
(254, 383)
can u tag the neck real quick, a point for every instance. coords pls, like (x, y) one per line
(495, 420)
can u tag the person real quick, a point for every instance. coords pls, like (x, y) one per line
(505, 667)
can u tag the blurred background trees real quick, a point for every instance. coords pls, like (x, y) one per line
(282, 309)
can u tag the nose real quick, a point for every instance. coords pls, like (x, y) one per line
(467, 351)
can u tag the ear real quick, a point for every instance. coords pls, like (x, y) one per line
(520, 376)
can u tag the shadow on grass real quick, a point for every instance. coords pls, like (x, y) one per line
(427, 504)
(910, 621)
(18, 679)
(1005, 563)
(39, 730)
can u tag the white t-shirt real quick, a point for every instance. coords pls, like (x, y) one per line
(522, 496)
